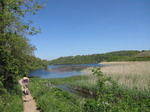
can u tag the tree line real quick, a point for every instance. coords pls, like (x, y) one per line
(129, 55)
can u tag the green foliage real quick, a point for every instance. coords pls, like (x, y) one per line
(119, 58)
(16, 54)
(97, 58)
(10, 101)
(141, 58)
(91, 106)
(15, 50)
(67, 80)
(35, 63)
(53, 99)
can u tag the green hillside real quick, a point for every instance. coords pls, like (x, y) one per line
(143, 53)
(130, 55)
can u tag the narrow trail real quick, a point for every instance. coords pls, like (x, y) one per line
(29, 102)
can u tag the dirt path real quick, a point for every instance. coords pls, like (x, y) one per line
(29, 102)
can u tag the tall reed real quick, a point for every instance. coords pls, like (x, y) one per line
(128, 74)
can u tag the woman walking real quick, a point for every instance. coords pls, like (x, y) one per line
(25, 82)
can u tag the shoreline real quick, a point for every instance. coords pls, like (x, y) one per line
(67, 68)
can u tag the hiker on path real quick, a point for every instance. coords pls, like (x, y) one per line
(25, 82)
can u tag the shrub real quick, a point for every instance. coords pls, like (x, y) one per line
(11, 101)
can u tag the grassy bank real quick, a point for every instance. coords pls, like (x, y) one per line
(122, 87)
(54, 99)
(11, 101)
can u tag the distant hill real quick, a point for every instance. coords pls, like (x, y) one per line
(125, 55)
(143, 53)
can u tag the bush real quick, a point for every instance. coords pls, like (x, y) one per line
(11, 101)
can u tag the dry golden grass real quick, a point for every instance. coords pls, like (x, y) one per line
(127, 74)
(136, 68)
(130, 74)
(92, 78)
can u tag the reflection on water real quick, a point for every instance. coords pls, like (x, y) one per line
(47, 74)
(61, 71)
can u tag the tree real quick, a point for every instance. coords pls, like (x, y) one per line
(14, 46)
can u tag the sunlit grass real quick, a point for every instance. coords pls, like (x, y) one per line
(53, 99)
(11, 101)
(128, 74)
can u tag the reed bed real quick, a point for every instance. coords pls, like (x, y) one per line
(92, 79)
(128, 74)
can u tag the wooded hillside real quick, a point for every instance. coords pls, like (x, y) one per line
(130, 55)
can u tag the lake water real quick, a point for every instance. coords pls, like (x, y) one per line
(61, 71)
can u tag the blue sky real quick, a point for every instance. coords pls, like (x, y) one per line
(82, 27)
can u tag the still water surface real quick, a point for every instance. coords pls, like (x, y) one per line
(60, 71)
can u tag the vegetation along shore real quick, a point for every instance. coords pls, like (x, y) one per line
(124, 86)
(121, 87)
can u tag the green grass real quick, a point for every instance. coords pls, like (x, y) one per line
(53, 99)
(11, 101)
(58, 81)
(109, 97)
